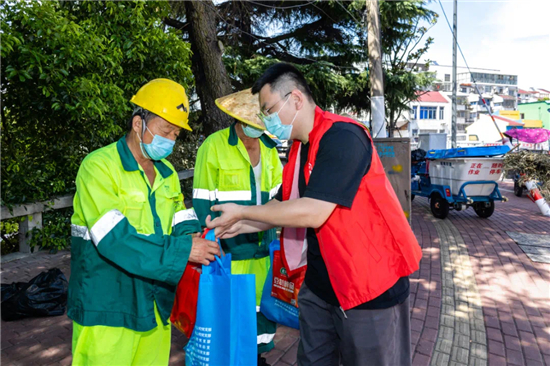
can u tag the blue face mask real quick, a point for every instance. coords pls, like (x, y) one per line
(275, 126)
(158, 149)
(252, 132)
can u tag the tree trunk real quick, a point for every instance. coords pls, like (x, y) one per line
(211, 78)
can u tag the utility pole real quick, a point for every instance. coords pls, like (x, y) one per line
(378, 113)
(455, 41)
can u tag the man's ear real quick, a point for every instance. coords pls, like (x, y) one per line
(136, 124)
(299, 98)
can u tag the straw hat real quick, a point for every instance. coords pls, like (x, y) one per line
(243, 106)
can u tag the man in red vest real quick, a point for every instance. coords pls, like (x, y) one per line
(341, 217)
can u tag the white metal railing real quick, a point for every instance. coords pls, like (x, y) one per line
(33, 213)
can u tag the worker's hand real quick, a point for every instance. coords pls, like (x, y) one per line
(203, 251)
(231, 215)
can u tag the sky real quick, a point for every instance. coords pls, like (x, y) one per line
(511, 36)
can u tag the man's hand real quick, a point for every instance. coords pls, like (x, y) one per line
(226, 223)
(203, 251)
(232, 232)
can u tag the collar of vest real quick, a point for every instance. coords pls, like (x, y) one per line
(130, 164)
(233, 139)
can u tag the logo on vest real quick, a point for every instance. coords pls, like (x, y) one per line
(283, 271)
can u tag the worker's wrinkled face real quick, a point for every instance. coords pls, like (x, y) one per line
(155, 126)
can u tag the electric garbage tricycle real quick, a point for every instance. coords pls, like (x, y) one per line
(459, 178)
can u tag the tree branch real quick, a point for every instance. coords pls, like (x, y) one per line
(175, 23)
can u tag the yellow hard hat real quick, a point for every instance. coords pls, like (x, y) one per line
(166, 99)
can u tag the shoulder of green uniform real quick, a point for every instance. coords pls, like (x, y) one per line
(217, 136)
(215, 140)
(100, 156)
(168, 165)
(268, 141)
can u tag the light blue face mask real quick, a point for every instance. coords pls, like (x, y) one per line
(274, 124)
(252, 132)
(158, 149)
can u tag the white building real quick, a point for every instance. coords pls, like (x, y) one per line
(527, 96)
(542, 93)
(499, 90)
(430, 113)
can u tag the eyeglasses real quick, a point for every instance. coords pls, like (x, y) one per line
(265, 113)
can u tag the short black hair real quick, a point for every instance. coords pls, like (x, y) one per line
(143, 113)
(283, 78)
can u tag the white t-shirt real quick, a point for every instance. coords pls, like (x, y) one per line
(258, 175)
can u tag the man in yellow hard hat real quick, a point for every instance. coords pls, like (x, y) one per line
(132, 237)
(240, 164)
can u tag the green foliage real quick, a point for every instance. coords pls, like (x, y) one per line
(8, 230)
(327, 40)
(68, 71)
(55, 233)
(325, 84)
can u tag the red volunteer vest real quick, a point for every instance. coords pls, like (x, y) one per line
(366, 248)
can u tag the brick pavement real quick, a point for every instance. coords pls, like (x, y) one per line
(481, 258)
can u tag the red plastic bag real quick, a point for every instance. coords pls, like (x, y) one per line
(286, 288)
(184, 311)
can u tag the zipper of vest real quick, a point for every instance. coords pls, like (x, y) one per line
(343, 312)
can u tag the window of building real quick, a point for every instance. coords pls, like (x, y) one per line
(441, 112)
(447, 77)
(522, 115)
(428, 112)
(415, 132)
(414, 110)
(500, 90)
(463, 90)
(488, 89)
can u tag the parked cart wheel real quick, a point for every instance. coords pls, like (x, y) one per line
(518, 189)
(484, 211)
(439, 206)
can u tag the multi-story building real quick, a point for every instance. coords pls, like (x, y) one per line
(499, 90)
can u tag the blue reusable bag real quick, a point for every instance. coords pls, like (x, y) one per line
(225, 330)
(274, 309)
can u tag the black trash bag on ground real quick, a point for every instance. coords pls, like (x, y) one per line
(418, 155)
(11, 289)
(44, 295)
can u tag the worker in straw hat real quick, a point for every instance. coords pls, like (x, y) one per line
(240, 164)
(130, 237)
